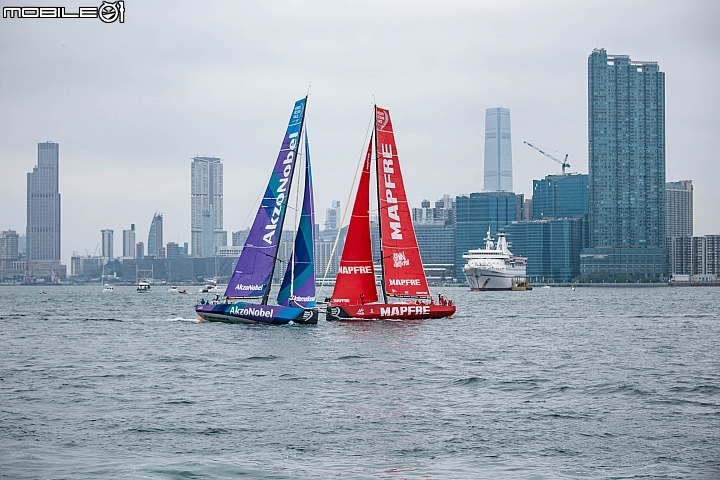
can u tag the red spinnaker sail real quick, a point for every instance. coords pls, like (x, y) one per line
(403, 270)
(355, 282)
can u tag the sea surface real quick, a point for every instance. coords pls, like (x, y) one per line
(549, 383)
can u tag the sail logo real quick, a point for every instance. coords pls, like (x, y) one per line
(400, 260)
(356, 270)
(280, 195)
(388, 169)
(253, 312)
(405, 310)
(302, 299)
(240, 286)
(401, 282)
(382, 119)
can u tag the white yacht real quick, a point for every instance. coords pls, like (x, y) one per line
(107, 288)
(211, 287)
(495, 267)
(143, 287)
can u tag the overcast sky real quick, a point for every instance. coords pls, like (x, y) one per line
(130, 104)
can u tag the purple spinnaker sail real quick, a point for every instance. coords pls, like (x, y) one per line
(254, 268)
(302, 268)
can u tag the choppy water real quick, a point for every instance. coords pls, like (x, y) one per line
(599, 382)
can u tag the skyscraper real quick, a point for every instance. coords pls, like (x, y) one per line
(679, 209)
(155, 237)
(129, 242)
(43, 205)
(107, 243)
(560, 196)
(498, 150)
(333, 215)
(626, 152)
(206, 190)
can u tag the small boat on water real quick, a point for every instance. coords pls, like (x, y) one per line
(173, 290)
(355, 295)
(210, 287)
(246, 298)
(143, 287)
(107, 288)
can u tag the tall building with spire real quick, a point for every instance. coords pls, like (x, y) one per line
(626, 154)
(43, 205)
(206, 206)
(498, 150)
(155, 237)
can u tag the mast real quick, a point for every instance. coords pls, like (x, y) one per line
(380, 230)
(266, 294)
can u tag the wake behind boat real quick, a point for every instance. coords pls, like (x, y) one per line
(253, 273)
(355, 293)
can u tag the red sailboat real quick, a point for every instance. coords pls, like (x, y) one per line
(403, 278)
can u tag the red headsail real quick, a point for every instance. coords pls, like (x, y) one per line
(403, 270)
(355, 282)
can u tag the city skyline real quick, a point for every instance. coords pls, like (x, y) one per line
(123, 147)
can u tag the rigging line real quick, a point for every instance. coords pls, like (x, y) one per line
(347, 204)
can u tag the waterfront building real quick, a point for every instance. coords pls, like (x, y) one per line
(333, 216)
(107, 244)
(527, 209)
(442, 213)
(680, 255)
(474, 214)
(43, 205)
(139, 250)
(679, 209)
(498, 150)
(626, 153)
(155, 236)
(206, 200)
(560, 196)
(239, 237)
(9, 245)
(436, 242)
(208, 234)
(552, 247)
(129, 242)
(43, 218)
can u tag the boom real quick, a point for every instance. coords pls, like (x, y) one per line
(561, 162)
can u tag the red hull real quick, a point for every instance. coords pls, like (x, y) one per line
(389, 311)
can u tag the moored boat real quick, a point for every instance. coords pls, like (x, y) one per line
(494, 267)
(403, 279)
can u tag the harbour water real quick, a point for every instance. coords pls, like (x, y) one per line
(591, 383)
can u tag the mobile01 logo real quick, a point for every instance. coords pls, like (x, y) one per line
(108, 12)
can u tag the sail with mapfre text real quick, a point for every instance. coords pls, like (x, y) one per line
(355, 282)
(402, 266)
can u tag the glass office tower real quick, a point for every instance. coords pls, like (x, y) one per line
(626, 152)
(498, 150)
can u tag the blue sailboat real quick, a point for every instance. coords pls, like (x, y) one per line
(247, 294)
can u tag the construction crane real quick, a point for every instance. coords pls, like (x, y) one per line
(561, 162)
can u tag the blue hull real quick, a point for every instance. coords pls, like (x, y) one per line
(244, 312)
